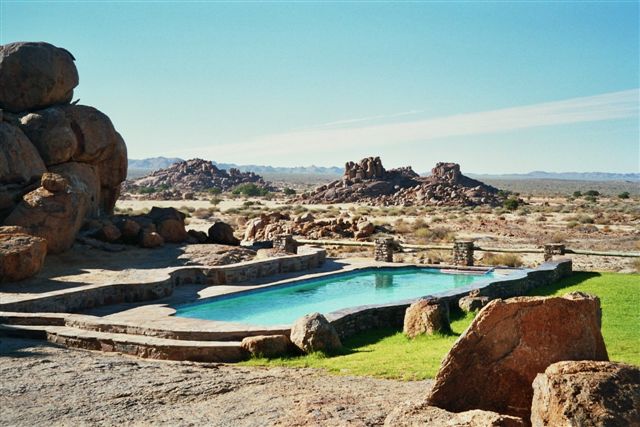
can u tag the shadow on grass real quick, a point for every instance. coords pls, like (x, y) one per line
(575, 279)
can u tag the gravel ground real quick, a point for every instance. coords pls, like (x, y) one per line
(41, 384)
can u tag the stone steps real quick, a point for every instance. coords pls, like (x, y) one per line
(135, 345)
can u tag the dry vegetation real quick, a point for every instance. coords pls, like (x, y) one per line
(579, 219)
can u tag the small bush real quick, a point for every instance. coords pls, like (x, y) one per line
(215, 201)
(250, 190)
(623, 195)
(214, 190)
(289, 191)
(577, 194)
(511, 204)
(508, 260)
(592, 193)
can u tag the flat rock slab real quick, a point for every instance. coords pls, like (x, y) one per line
(493, 363)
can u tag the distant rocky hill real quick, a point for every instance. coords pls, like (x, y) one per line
(368, 181)
(191, 176)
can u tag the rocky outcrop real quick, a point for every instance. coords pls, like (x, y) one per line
(21, 254)
(191, 176)
(267, 345)
(426, 316)
(369, 182)
(410, 415)
(35, 75)
(508, 344)
(54, 212)
(44, 132)
(222, 234)
(588, 394)
(267, 226)
(313, 332)
(169, 223)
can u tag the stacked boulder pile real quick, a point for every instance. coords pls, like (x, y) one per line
(369, 182)
(60, 163)
(267, 226)
(159, 226)
(191, 176)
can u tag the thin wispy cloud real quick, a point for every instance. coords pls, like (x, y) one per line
(609, 106)
(363, 119)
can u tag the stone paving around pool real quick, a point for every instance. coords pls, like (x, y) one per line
(135, 315)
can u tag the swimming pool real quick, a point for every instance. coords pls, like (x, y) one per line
(282, 305)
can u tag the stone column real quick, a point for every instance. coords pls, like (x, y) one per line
(551, 249)
(285, 242)
(463, 252)
(383, 250)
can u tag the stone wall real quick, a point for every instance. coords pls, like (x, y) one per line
(285, 242)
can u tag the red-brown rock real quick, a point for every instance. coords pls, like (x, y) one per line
(35, 75)
(56, 217)
(151, 239)
(50, 132)
(20, 162)
(413, 415)
(267, 345)
(587, 394)
(21, 255)
(493, 363)
(426, 317)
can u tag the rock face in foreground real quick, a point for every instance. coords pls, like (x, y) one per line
(35, 75)
(587, 394)
(313, 332)
(369, 182)
(21, 255)
(40, 131)
(410, 415)
(493, 363)
(193, 175)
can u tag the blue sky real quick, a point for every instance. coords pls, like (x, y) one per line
(497, 87)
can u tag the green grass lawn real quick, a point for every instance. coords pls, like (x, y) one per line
(388, 353)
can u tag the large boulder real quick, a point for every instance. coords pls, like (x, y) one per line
(50, 131)
(313, 332)
(222, 233)
(56, 216)
(426, 316)
(20, 162)
(508, 344)
(587, 394)
(410, 415)
(83, 179)
(267, 345)
(169, 224)
(21, 255)
(35, 75)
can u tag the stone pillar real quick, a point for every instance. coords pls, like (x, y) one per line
(463, 252)
(383, 250)
(285, 242)
(551, 249)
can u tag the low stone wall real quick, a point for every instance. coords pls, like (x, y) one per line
(351, 321)
(233, 274)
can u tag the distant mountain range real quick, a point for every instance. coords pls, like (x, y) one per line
(164, 162)
(572, 176)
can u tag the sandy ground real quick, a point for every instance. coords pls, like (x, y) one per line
(44, 385)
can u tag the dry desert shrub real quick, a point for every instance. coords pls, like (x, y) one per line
(507, 260)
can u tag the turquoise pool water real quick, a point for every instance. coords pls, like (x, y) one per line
(281, 305)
